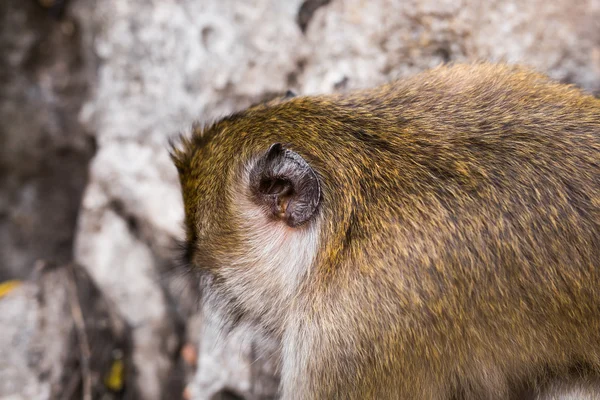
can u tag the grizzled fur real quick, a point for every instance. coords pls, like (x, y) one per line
(453, 251)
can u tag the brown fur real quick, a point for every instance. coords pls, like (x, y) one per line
(459, 234)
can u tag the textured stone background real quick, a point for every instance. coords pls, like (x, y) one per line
(91, 90)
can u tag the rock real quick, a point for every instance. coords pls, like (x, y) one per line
(357, 43)
(60, 338)
(44, 149)
(124, 268)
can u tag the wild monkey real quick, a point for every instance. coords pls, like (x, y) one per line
(434, 238)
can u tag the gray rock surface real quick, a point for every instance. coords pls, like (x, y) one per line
(357, 43)
(52, 326)
(18, 378)
(44, 150)
(134, 73)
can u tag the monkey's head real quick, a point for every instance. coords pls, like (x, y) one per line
(253, 199)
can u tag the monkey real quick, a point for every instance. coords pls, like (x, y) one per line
(436, 237)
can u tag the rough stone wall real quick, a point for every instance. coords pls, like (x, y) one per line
(155, 66)
(44, 149)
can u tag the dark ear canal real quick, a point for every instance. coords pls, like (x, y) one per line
(283, 181)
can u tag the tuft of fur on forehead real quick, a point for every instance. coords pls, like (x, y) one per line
(183, 146)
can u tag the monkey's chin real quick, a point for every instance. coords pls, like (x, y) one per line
(221, 306)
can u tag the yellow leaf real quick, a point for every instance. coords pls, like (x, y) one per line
(115, 377)
(8, 286)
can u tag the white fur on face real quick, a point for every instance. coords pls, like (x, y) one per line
(276, 259)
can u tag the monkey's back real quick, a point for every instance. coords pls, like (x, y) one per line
(466, 203)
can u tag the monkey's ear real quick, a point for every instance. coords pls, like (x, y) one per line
(283, 181)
